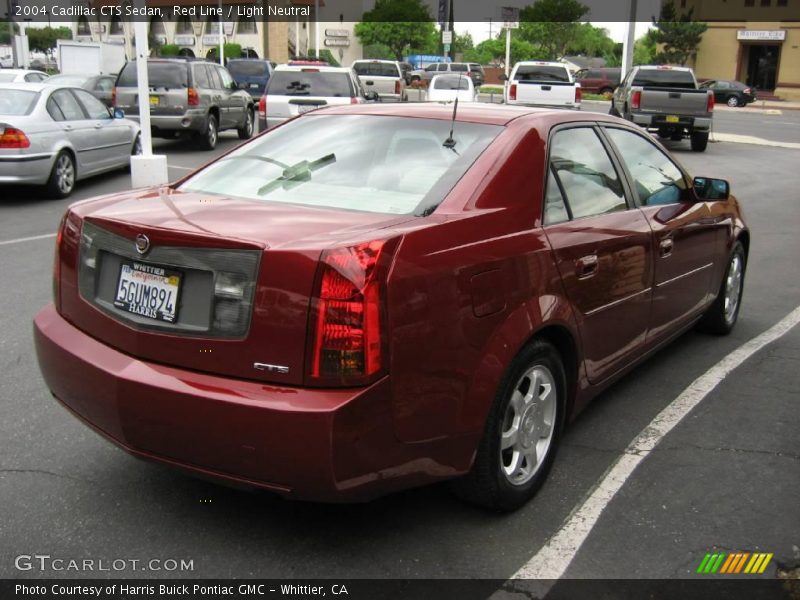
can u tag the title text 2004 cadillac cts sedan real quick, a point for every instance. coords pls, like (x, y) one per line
(358, 302)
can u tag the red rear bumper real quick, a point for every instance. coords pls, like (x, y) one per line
(332, 445)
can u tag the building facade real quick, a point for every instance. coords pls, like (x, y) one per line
(196, 31)
(758, 44)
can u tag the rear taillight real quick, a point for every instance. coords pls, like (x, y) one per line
(710, 102)
(347, 325)
(262, 107)
(397, 87)
(194, 97)
(578, 93)
(636, 99)
(113, 96)
(12, 138)
(57, 263)
(512, 92)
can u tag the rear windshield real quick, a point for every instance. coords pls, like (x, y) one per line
(309, 82)
(6, 77)
(542, 73)
(160, 75)
(451, 83)
(376, 69)
(248, 68)
(17, 103)
(367, 163)
(665, 78)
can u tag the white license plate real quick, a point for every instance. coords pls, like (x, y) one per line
(303, 108)
(149, 291)
(672, 119)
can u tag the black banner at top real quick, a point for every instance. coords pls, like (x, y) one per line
(331, 11)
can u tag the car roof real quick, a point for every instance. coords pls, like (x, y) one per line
(663, 68)
(311, 68)
(375, 60)
(26, 85)
(23, 71)
(490, 114)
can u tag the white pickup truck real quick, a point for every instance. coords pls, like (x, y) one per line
(382, 76)
(539, 83)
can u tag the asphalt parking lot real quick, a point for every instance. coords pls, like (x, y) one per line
(724, 479)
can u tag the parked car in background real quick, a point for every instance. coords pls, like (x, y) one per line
(382, 76)
(666, 100)
(56, 135)
(473, 70)
(188, 97)
(302, 86)
(732, 93)
(99, 86)
(449, 86)
(361, 300)
(251, 74)
(541, 83)
(21, 76)
(600, 80)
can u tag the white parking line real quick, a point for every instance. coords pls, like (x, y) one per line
(28, 239)
(180, 167)
(553, 558)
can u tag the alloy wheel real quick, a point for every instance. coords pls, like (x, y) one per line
(65, 174)
(733, 287)
(528, 425)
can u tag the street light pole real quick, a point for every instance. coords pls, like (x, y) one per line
(630, 40)
(221, 38)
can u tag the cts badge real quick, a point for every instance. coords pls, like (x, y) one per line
(271, 368)
(142, 243)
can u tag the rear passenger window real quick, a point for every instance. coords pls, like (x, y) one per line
(69, 106)
(657, 179)
(586, 173)
(54, 111)
(201, 77)
(555, 211)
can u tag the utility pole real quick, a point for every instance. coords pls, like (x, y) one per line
(221, 37)
(316, 27)
(630, 40)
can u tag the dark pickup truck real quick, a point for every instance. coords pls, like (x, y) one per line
(665, 100)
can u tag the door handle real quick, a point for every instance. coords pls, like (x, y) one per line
(586, 266)
(98, 125)
(67, 127)
(665, 246)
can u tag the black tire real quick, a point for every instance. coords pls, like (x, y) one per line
(488, 484)
(733, 101)
(136, 150)
(415, 78)
(607, 93)
(721, 317)
(208, 139)
(246, 130)
(62, 178)
(699, 141)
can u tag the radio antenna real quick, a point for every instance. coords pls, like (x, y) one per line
(450, 142)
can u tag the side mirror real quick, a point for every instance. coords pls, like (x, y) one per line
(503, 77)
(119, 113)
(707, 188)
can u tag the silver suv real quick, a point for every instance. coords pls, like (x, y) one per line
(188, 97)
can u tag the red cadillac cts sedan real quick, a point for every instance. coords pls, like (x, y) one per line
(374, 297)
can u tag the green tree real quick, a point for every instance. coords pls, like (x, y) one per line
(5, 31)
(43, 39)
(678, 35)
(494, 50)
(550, 26)
(644, 50)
(462, 43)
(397, 24)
